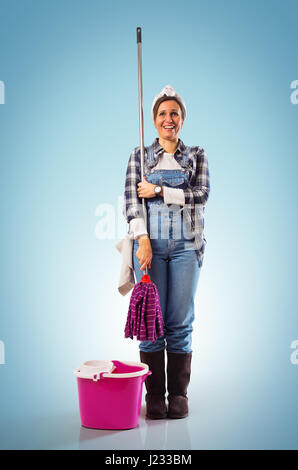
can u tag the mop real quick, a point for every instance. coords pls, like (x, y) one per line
(144, 320)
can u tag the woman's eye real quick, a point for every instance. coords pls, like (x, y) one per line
(174, 112)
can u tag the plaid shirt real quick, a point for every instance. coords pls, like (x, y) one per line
(196, 194)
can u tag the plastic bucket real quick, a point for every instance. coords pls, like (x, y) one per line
(112, 400)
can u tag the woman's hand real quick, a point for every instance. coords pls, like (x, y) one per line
(146, 189)
(144, 252)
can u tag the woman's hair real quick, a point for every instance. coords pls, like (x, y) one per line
(166, 98)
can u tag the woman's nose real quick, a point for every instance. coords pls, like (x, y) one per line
(169, 118)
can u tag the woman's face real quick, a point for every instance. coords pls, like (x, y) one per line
(168, 121)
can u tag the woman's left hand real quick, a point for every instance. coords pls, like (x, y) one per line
(146, 189)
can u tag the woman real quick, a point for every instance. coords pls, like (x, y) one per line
(176, 188)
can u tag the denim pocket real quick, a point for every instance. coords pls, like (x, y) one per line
(174, 182)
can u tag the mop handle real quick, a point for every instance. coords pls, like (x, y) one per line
(139, 44)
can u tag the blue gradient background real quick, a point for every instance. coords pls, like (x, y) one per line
(68, 125)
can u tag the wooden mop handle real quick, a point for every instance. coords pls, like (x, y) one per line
(139, 44)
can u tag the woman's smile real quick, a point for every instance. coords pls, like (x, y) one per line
(169, 120)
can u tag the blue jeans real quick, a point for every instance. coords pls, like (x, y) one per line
(175, 272)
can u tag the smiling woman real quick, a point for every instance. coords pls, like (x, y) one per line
(175, 188)
(168, 120)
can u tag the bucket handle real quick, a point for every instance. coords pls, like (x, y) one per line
(95, 377)
(144, 377)
(98, 376)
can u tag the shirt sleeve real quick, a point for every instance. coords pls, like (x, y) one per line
(199, 186)
(173, 196)
(137, 227)
(132, 207)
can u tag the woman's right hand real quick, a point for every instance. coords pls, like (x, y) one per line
(144, 252)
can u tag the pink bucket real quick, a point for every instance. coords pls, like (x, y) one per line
(112, 400)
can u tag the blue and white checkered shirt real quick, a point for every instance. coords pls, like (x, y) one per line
(196, 194)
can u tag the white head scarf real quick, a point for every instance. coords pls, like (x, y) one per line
(168, 90)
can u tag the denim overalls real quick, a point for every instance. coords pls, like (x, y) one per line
(174, 267)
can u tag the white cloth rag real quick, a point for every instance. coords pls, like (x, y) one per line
(127, 278)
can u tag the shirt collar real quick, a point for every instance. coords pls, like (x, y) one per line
(158, 150)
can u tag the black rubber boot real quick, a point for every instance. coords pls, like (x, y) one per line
(155, 384)
(178, 377)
